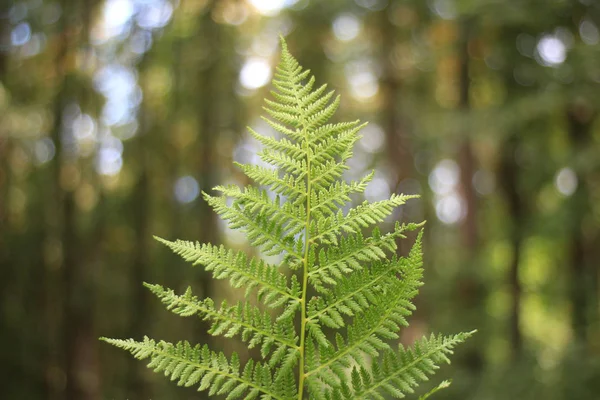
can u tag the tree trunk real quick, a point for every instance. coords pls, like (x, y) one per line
(210, 129)
(583, 283)
(466, 159)
(471, 288)
(81, 341)
(140, 205)
(398, 147)
(509, 180)
(60, 234)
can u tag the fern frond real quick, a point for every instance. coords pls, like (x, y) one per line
(284, 162)
(276, 107)
(314, 95)
(328, 172)
(338, 344)
(295, 134)
(316, 117)
(291, 149)
(327, 230)
(253, 325)
(258, 202)
(337, 146)
(283, 117)
(369, 332)
(379, 310)
(352, 253)
(327, 201)
(269, 235)
(357, 291)
(324, 132)
(272, 286)
(194, 365)
(290, 186)
(400, 372)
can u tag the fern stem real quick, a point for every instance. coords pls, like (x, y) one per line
(303, 322)
(304, 319)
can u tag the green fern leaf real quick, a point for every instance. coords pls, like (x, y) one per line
(249, 322)
(337, 344)
(401, 371)
(198, 366)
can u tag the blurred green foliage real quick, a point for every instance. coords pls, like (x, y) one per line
(115, 114)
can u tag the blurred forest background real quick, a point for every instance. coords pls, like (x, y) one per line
(116, 114)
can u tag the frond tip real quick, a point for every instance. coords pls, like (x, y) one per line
(340, 344)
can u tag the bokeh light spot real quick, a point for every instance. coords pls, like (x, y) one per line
(362, 79)
(116, 17)
(552, 50)
(186, 189)
(566, 181)
(268, 7)
(444, 177)
(378, 189)
(346, 27)
(372, 139)
(44, 150)
(449, 208)
(446, 9)
(83, 127)
(34, 46)
(589, 32)
(17, 12)
(255, 73)
(109, 159)
(20, 34)
(155, 15)
(140, 42)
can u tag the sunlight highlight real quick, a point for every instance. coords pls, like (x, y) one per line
(566, 181)
(552, 50)
(255, 73)
(268, 7)
(186, 189)
(346, 27)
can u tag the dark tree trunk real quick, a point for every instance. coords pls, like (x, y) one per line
(81, 343)
(471, 288)
(4, 145)
(73, 314)
(209, 124)
(140, 204)
(60, 234)
(210, 129)
(175, 159)
(509, 180)
(466, 159)
(583, 283)
(398, 149)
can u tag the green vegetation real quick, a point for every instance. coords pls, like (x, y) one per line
(361, 292)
